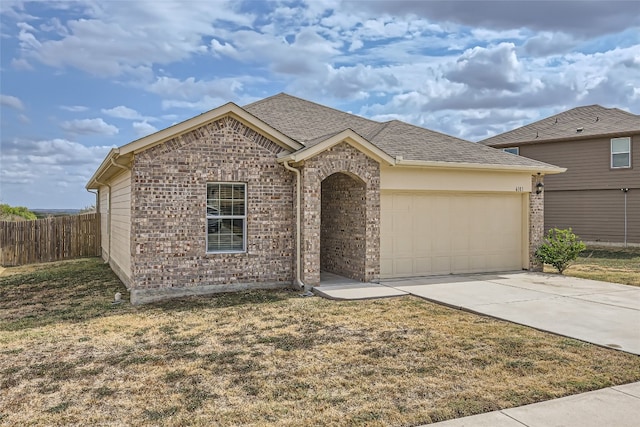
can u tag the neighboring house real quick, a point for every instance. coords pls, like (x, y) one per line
(270, 194)
(599, 195)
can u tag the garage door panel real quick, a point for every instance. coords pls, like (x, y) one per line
(435, 233)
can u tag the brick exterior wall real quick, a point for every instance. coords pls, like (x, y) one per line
(343, 231)
(169, 187)
(346, 159)
(536, 223)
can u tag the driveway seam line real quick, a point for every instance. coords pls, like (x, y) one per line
(514, 419)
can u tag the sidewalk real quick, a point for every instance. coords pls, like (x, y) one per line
(617, 406)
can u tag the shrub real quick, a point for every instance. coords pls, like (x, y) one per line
(18, 211)
(560, 248)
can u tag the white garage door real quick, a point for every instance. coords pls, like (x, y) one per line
(425, 233)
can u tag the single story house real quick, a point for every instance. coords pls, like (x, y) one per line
(599, 195)
(272, 193)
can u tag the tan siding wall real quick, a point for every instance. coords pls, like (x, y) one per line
(104, 218)
(587, 163)
(121, 222)
(594, 215)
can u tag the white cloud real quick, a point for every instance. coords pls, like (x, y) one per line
(89, 127)
(12, 102)
(21, 64)
(200, 94)
(225, 49)
(488, 68)
(122, 112)
(114, 38)
(35, 171)
(548, 43)
(74, 108)
(205, 103)
(143, 128)
(584, 18)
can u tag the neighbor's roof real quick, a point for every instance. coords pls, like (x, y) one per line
(591, 121)
(310, 123)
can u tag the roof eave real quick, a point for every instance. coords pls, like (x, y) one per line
(93, 183)
(188, 125)
(542, 169)
(350, 137)
(571, 138)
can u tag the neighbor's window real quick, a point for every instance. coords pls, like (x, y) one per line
(512, 150)
(621, 152)
(226, 217)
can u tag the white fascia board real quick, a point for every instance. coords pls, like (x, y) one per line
(348, 136)
(106, 163)
(544, 170)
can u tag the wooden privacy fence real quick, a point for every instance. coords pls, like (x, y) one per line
(49, 239)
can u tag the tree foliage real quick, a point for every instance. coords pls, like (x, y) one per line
(560, 248)
(19, 211)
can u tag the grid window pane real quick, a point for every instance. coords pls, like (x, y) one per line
(226, 217)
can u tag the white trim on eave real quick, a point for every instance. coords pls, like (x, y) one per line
(348, 136)
(542, 169)
(188, 125)
(228, 109)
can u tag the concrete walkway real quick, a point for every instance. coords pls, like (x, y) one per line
(602, 313)
(337, 287)
(614, 406)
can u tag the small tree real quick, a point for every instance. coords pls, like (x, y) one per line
(560, 248)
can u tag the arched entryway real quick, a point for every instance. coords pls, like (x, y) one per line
(343, 226)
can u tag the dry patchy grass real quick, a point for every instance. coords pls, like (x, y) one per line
(616, 265)
(68, 357)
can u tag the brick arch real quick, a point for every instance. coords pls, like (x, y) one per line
(350, 168)
(348, 160)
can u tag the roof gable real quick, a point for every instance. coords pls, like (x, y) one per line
(228, 109)
(119, 158)
(578, 123)
(312, 123)
(348, 136)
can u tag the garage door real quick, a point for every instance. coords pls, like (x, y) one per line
(425, 233)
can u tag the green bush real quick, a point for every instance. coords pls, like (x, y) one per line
(20, 211)
(560, 248)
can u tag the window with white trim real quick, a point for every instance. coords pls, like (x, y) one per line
(226, 217)
(512, 150)
(620, 152)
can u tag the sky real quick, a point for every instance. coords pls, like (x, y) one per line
(81, 77)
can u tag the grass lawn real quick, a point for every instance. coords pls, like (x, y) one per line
(617, 265)
(70, 357)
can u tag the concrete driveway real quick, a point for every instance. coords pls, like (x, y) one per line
(602, 313)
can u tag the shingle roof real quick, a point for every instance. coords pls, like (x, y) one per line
(310, 123)
(594, 120)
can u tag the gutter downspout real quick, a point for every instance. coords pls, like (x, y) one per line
(97, 199)
(118, 165)
(299, 281)
(625, 191)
